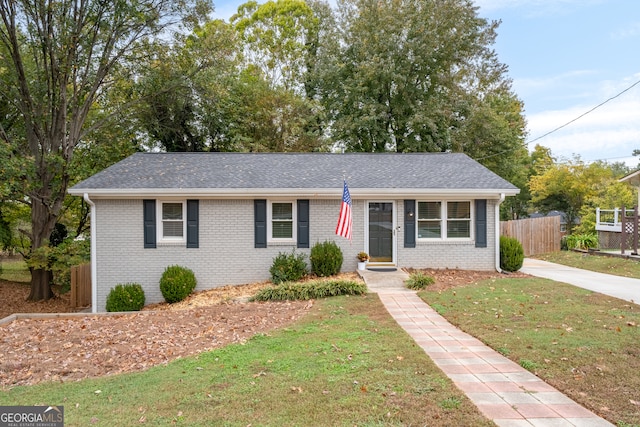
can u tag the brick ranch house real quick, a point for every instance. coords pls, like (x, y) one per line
(227, 215)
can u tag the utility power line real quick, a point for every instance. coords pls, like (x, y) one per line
(584, 114)
(567, 123)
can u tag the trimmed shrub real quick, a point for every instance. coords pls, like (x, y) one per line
(125, 297)
(511, 254)
(326, 259)
(288, 267)
(419, 281)
(177, 283)
(310, 290)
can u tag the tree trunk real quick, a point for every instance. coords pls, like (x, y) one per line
(40, 285)
(42, 222)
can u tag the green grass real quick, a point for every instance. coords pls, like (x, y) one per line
(346, 363)
(583, 343)
(14, 271)
(603, 264)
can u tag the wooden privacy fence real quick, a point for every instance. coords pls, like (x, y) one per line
(537, 235)
(80, 286)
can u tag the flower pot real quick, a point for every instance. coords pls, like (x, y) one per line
(362, 265)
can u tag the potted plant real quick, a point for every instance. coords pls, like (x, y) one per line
(363, 257)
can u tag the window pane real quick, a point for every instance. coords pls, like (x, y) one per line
(458, 229)
(429, 210)
(172, 229)
(282, 211)
(282, 230)
(429, 230)
(172, 211)
(459, 210)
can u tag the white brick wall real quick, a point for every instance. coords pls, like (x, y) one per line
(453, 255)
(227, 255)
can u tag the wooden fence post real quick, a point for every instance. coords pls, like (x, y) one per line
(80, 286)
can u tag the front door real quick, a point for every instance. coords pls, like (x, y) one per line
(381, 232)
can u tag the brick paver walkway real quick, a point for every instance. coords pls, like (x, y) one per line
(503, 391)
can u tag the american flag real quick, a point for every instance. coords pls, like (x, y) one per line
(344, 220)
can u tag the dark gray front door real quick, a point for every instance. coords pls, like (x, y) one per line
(381, 231)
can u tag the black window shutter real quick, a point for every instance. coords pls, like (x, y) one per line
(410, 223)
(481, 223)
(149, 212)
(192, 223)
(303, 223)
(260, 223)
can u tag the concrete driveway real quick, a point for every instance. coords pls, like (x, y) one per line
(615, 286)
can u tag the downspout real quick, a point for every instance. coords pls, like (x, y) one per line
(497, 231)
(94, 256)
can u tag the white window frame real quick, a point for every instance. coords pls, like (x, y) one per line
(444, 219)
(294, 222)
(160, 223)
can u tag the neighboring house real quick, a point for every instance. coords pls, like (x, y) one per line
(227, 215)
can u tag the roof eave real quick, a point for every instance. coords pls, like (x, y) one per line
(314, 193)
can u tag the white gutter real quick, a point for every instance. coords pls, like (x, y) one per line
(317, 193)
(94, 256)
(497, 231)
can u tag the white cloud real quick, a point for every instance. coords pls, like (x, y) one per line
(630, 31)
(610, 132)
(549, 83)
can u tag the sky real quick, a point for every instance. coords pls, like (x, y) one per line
(565, 59)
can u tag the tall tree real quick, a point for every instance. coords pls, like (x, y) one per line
(409, 74)
(60, 57)
(278, 37)
(185, 91)
(274, 107)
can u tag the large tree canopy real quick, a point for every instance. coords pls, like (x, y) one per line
(413, 75)
(58, 59)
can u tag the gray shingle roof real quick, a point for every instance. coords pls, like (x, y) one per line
(228, 171)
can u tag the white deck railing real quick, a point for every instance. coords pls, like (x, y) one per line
(611, 219)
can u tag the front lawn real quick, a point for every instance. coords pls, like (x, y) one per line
(346, 363)
(587, 345)
(603, 264)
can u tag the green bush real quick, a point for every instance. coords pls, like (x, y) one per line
(419, 280)
(288, 267)
(582, 241)
(511, 254)
(125, 297)
(564, 246)
(177, 283)
(326, 259)
(61, 258)
(310, 290)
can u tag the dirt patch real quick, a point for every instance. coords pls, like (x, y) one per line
(14, 300)
(89, 346)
